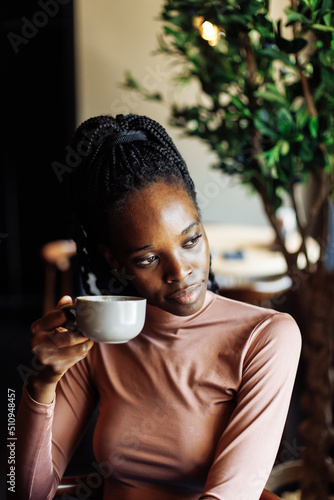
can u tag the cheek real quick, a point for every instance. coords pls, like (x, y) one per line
(147, 283)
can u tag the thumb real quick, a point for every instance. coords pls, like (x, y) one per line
(66, 299)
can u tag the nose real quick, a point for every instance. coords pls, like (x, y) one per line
(177, 269)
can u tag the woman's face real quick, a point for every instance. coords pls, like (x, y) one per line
(160, 242)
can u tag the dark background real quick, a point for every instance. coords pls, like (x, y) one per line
(38, 110)
(38, 116)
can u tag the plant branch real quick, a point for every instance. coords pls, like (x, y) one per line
(301, 228)
(250, 59)
(306, 90)
(290, 258)
(305, 86)
(324, 237)
(257, 150)
(320, 199)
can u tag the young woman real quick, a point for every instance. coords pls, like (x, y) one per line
(194, 406)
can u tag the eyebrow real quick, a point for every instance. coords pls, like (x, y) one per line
(187, 229)
(150, 247)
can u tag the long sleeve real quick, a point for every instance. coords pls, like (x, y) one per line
(47, 435)
(248, 446)
(34, 448)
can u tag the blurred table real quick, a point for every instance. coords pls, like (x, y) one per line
(244, 253)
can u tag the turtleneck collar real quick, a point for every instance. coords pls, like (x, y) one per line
(159, 317)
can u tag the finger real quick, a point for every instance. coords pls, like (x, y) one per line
(50, 321)
(60, 358)
(77, 350)
(72, 358)
(66, 299)
(62, 337)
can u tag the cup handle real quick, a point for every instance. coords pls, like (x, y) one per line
(72, 308)
(69, 307)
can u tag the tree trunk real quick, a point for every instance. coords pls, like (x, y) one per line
(314, 313)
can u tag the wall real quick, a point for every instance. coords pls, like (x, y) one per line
(112, 37)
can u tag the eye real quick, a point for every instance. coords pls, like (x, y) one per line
(191, 243)
(146, 262)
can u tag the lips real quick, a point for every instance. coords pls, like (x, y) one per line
(186, 295)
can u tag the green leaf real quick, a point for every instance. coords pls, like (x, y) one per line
(321, 27)
(297, 137)
(328, 18)
(327, 80)
(313, 125)
(293, 17)
(284, 122)
(169, 31)
(284, 147)
(313, 4)
(326, 5)
(131, 82)
(302, 117)
(306, 152)
(265, 129)
(270, 96)
(273, 155)
(237, 103)
(154, 97)
(232, 19)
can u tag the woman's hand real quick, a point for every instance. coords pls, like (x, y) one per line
(56, 347)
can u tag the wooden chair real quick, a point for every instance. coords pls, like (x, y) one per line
(56, 256)
(89, 486)
(268, 495)
(286, 476)
(69, 488)
(259, 292)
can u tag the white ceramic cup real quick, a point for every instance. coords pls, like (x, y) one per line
(112, 319)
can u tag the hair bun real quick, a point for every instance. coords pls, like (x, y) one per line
(123, 137)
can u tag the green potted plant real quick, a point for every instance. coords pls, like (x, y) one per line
(268, 116)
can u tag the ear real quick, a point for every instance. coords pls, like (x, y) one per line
(108, 256)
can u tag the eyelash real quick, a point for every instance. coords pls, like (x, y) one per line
(193, 242)
(140, 263)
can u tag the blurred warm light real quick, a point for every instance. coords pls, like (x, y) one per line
(208, 31)
(198, 21)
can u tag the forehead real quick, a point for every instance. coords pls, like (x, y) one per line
(153, 212)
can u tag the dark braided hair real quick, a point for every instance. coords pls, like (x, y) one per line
(118, 156)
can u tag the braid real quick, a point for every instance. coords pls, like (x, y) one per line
(119, 156)
(212, 283)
